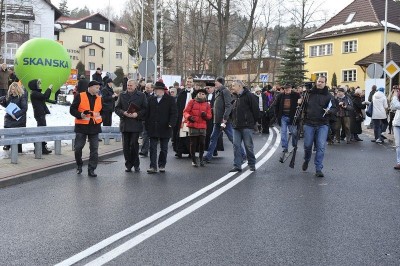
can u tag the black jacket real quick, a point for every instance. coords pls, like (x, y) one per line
(82, 85)
(90, 128)
(38, 99)
(294, 96)
(108, 99)
(245, 110)
(97, 77)
(22, 103)
(318, 100)
(161, 117)
(128, 124)
(222, 105)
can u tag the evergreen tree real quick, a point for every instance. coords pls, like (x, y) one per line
(80, 13)
(120, 76)
(292, 64)
(64, 8)
(334, 80)
(81, 68)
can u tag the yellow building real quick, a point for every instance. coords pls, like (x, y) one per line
(353, 34)
(89, 40)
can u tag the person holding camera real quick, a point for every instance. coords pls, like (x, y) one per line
(86, 109)
(344, 113)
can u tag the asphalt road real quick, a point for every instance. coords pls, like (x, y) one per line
(197, 216)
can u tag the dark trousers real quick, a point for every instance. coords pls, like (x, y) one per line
(162, 158)
(107, 118)
(146, 142)
(80, 141)
(265, 120)
(130, 145)
(197, 141)
(41, 122)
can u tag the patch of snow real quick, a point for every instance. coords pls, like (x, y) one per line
(390, 25)
(59, 116)
(356, 24)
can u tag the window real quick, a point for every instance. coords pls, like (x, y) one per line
(349, 75)
(89, 25)
(321, 74)
(261, 64)
(86, 38)
(350, 17)
(101, 39)
(26, 27)
(102, 26)
(118, 55)
(244, 65)
(92, 66)
(92, 52)
(321, 50)
(350, 46)
(119, 42)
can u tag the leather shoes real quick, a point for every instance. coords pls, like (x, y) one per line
(91, 173)
(137, 169)
(252, 168)
(397, 167)
(79, 170)
(235, 169)
(305, 166)
(128, 170)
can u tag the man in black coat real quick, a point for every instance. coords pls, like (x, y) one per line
(109, 96)
(82, 85)
(131, 108)
(245, 114)
(181, 141)
(86, 109)
(161, 116)
(39, 106)
(144, 151)
(97, 76)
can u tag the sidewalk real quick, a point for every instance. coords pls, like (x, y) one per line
(370, 134)
(29, 168)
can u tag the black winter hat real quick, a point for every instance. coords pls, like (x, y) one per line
(202, 90)
(93, 82)
(159, 85)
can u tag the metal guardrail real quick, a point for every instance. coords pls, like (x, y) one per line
(36, 135)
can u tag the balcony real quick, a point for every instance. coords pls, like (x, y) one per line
(19, 38)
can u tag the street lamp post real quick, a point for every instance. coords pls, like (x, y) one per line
(385, 42)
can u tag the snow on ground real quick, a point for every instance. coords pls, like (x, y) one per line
(59, 116)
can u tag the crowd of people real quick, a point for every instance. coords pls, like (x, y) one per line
(195, 117)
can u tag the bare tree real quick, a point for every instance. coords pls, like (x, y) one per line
(303, 13)
(223, 9)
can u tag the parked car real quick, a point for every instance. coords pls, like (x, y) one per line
(67, 89)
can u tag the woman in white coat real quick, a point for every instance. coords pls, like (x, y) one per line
(379, 116)
(395, 105)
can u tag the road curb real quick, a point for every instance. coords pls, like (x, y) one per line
(32, 175)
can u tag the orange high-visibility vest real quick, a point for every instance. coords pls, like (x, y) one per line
(85, 105)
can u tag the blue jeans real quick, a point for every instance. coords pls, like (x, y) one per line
(285, 124)
(245, 135)
(319, 134)
(380, 126)
(396, 132)
(214, 139)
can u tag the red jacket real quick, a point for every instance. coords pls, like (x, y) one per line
(194, 109)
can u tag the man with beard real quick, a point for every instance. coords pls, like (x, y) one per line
(131, 108)
(181, 143)
(318, 107)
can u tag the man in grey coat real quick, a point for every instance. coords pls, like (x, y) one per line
(131, 123)
(221, 112)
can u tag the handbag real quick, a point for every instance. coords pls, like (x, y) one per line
(369, 110)
(359, 117)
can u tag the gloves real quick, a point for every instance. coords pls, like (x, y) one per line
(203, 114)
(191, 119)
(87, 112)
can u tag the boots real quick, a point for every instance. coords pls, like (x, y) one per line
(45, 150)
(195, 162)
(202, 163)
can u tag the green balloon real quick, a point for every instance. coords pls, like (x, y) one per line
(42, 59)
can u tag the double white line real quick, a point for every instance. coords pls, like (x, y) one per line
(176, 217)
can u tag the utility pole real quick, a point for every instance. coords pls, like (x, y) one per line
(155, 39)
(5, 31)
(161, 39)
(385, 43)
(109, 37)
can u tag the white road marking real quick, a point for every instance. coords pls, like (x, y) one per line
(176, 217)
(108, 241)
